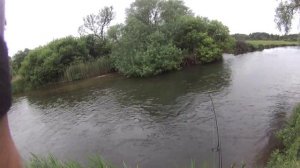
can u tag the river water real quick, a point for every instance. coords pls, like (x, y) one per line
(165, 121)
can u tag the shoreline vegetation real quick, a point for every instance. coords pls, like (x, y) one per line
(104, 65)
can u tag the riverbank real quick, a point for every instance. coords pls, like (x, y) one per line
(289, 156)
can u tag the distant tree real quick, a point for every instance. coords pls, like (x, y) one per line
(285, 13)
(96, 24)
(260, 36)
(240, 37)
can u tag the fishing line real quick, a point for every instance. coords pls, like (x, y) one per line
(218, 149)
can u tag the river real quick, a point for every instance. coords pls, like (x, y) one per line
(165, 121)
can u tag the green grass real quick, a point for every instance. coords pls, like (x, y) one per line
(94, 162)
(289, 156)
(272, 42)
(85, 70)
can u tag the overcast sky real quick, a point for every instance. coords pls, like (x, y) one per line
(31, 23)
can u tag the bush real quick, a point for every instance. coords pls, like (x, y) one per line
(208, 51)
(156, 57)
(46, 64)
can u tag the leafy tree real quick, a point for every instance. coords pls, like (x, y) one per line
(197, 35)
(97, 47)
(285, 13)
(154, 56)
(143, 47)
(157, 35)
(114, 33)
(96, 23)
(18, 59)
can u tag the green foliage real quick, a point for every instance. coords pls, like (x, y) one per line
(156, 56)
(96, 47)
(88, 69)
(202, 39)
(290, 136)
(19, 85)
(209, 51)
(46, 64)
(114, 33)
(158, 34)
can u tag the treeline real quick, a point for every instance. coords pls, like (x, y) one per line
(266, 36)
(157, 36)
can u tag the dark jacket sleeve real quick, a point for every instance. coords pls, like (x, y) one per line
(5, 87)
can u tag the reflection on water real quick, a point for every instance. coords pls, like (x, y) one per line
(165, 121)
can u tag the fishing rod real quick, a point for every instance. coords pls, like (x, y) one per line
(218, 135)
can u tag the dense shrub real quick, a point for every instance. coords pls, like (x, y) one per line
(46, 64)
(157, 56)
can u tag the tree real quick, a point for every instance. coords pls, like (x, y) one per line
(285, 13)
(95, 24)
(144, 47)
(114, 33)
(162, 35)
(18, 59)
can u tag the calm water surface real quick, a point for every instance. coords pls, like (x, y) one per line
(165, 121)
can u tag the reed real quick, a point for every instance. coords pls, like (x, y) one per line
(85, 70)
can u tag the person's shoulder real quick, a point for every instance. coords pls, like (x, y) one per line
(5, 87)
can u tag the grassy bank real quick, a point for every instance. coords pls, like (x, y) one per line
(242, 47)
(272, 43)
(289, 156)
(94, 162)
(82, 70)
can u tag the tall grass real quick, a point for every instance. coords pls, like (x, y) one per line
(52, 162)
(19, 85)
(84, 70)
(289, 156)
